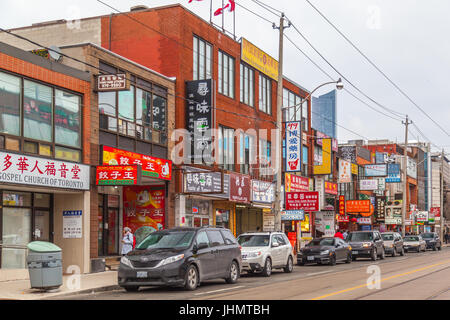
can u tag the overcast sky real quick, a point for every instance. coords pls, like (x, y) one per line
(407, 39)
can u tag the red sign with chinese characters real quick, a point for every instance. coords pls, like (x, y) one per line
(118, 175)
(331, 188)
(436, 211)
(240, 188)
(341, 205)
(151, 167)
(296, 183)
(307, 201)
(342, 218)
(358, 206)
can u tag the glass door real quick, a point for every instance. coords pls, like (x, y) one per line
(113, 225)
(41, 230)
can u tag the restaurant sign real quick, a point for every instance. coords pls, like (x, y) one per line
(307, 201)
(118, 175)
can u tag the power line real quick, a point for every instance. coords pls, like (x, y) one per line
(376, 67)
(268, 8)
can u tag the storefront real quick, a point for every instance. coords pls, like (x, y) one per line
(248, 217)
(262, 199)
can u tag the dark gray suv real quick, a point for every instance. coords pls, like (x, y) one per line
(366, 244)
(181, 257)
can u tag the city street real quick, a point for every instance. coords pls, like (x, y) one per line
(415, 276)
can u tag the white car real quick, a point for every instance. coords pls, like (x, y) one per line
(264, 251)
(414, 243)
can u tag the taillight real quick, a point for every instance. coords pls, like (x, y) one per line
(240, 248)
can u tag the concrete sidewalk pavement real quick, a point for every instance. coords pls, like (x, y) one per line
(72, 284)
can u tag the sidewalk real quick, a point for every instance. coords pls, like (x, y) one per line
(20, 289)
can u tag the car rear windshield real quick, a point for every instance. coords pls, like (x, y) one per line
(411, 238)
(167, 240)
(427, 235)
(360, 236)
(253, 240)
(321, 242)
(387, 237)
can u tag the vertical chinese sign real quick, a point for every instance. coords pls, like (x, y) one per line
(293, 143)
(199, 119)
(143, 206)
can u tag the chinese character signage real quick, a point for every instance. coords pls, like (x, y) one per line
(118, 175)
(341, 205)
(307, 201)
(144, 206)
(293, 215)
(357, 206)
(342, 218)
(151, 167)
(297, 183)
(436, 211)
(375, 170)
(345, 171)
(72, 224)
(366, 184)
(348, 153)
(325, 167)
(258, 59)
(331, 188)
(422, 216)
(28, 170)
(380, 208)
(199, 119)
(393, 173)
(364, 220)
(293, 146)
(239, 188)
(207, 182)
(263, 191)
(112, 82)
(334, 142)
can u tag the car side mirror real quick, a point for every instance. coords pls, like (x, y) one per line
(336, 245)
(275, 245)
(199, 247)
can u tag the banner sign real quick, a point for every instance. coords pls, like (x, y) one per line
(293, 215)
(331, 188)
(263, 191)
(151, 167)
(118, 175)
(297, 183)
(258, 59)
(393, 214)
(307, 201)
(375, 170)
(293, 146)
(112, 82)
(393, 173)
(325, 167)
(341, 205)
(199, 118)
(357, 206)
(345, 171)
(34, 171)
(366, 184)
(239, 188)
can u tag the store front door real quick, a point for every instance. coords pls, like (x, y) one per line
(248, 219)
(108, 230)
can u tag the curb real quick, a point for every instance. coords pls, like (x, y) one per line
(85, 291)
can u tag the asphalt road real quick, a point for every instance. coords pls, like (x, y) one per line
(421, 276)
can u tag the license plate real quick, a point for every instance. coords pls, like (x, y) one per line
(354, 252)
(141, 274)
(310, 258)
(244, 256)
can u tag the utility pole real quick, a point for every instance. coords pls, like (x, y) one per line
(279, 156)
(405, 173)
(441, 233)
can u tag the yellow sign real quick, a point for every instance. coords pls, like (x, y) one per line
(325, 167)
(354, 169)
(305, 223)
(259, 59)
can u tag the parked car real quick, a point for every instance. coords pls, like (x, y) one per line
(414, 243)
(181, 256)
(264, 251)
(366, 244)
(325, 250)
(393, 243)
(432, 240)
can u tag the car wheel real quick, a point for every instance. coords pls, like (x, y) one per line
(374, 254)
(132, 288)
(394, 252)
(382, 255)
(440, 247)
(267, 271)
(191, 280)
(353, 258)
(332, 260)
(349, 258)
(402, 253)
(234, 273)
(289, 266)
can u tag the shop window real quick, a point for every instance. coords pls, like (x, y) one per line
(42, 200)
(67, 119)
(10, 89)
(223, 218)
(16, 199)
(67, 154)
(38, 111)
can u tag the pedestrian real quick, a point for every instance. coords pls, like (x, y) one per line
(127, 241)
(345, 234)
(446, 237)
(338, 234)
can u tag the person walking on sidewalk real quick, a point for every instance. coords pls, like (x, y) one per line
(127, 241)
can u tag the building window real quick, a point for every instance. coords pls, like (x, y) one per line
(247, 85)
(51, 119)
(226, 148)
(265, 94)
(226, 75)
(265, 157)
(202, 59)
(292, 110)
(247, 152)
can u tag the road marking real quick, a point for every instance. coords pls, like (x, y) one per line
(316, 273)
(220, 290)
(385, 279)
